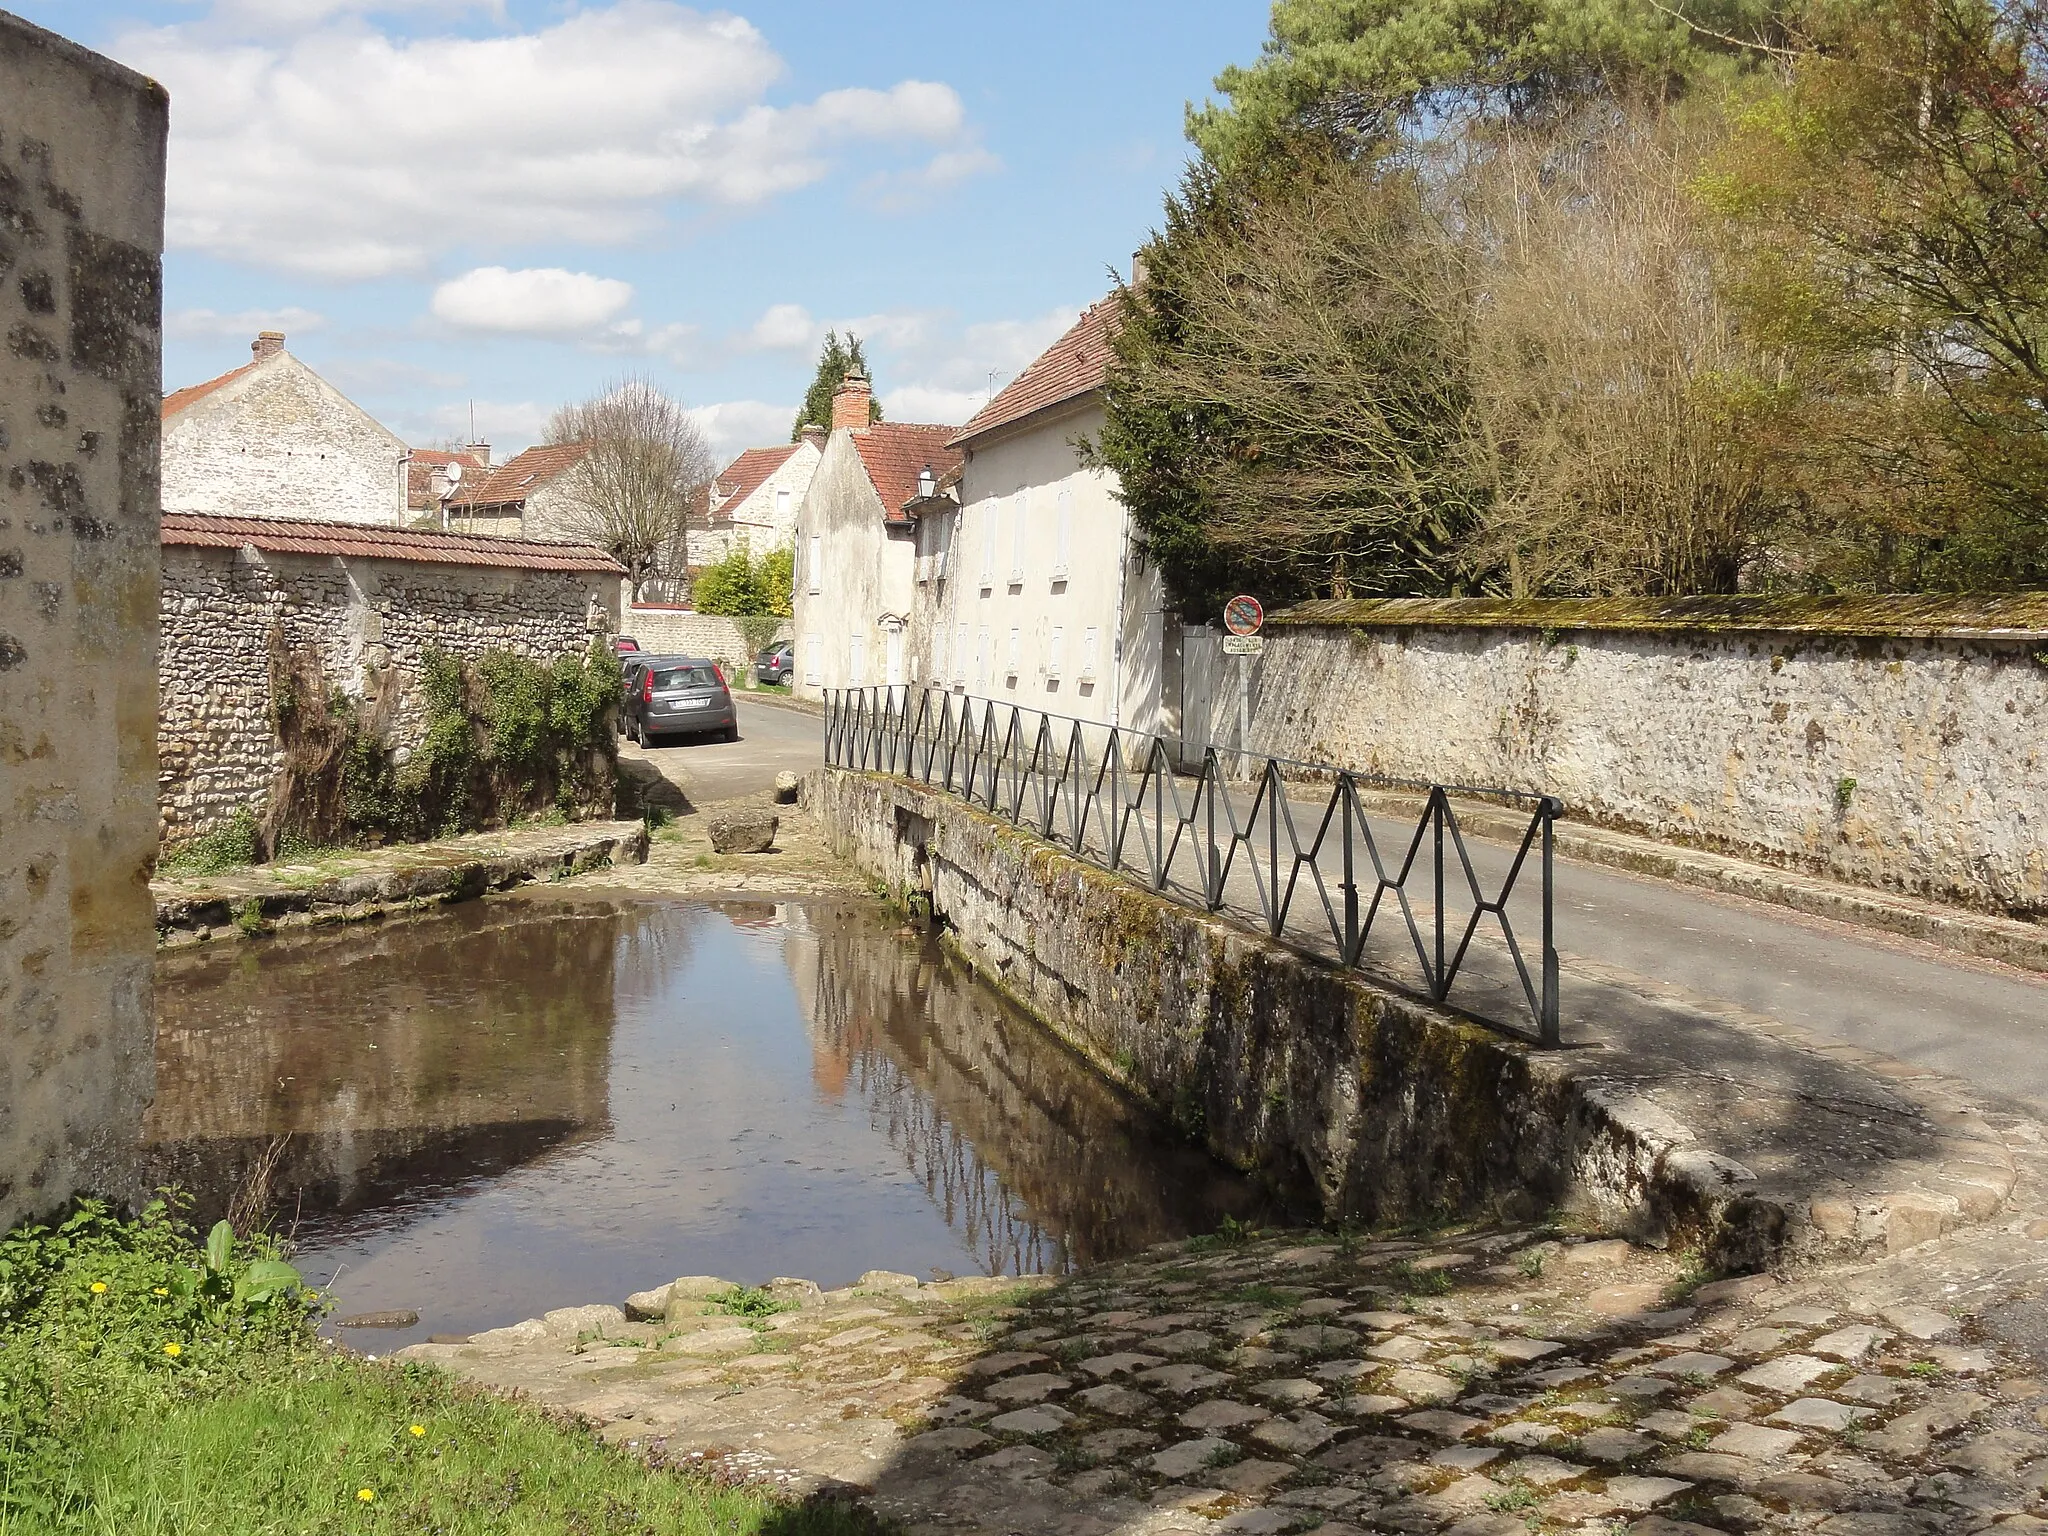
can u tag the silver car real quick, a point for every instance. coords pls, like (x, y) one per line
(679, 696)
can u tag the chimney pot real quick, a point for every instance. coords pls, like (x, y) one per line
(267, 345)
(850, 402)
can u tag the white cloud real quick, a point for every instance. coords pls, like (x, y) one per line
(296, 15)
(243, 323)
(534, 301)
(346, 153)
(508, 426)
(913, 187)
(785, 328)
(733, 426)
(919, 402)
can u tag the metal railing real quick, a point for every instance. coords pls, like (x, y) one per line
(1119, 799)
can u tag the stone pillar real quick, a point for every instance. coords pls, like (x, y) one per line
(81, 303)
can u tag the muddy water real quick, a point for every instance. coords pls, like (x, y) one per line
(525, 1104)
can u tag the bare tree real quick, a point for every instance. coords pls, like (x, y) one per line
(631, 493)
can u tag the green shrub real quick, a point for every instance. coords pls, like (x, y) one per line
(224, 848)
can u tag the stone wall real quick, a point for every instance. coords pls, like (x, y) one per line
(1899, 744)
(683, 632)
(1345, 1096)
(219, 747)
(81, 232)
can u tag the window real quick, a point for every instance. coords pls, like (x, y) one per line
(1055, 652)
(960, 654)
(814, 564)
(1064, 537)
(782, 509)
(856, 660)
(1019, 503)
(991, 510)
(668, 679)
(1090, 640)
(814, 651)
(939, 654)
(1016, 652)
(980, 658)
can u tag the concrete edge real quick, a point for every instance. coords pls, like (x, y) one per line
(1977, 934)
(182, 921)
(783, 701)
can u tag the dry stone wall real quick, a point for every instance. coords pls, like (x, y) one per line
(81, 231)
(218, 742)
(1911, 762)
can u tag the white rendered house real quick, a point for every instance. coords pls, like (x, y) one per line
(1041, 597)
(756, 497)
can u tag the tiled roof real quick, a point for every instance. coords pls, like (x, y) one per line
(192, 394)
(894, 453)
(305, 536)
(419, 475)
(748, 473)
(520, 476)
(1066, 370)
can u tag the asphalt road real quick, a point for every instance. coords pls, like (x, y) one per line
(773, 737)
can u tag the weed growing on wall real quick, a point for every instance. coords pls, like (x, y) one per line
(225, 847)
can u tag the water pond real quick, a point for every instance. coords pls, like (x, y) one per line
(528, 1103)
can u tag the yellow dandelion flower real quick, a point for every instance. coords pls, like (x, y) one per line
(418, 1430)
(160, 1291)
(99, 1287)
(174, 1350)
(366, 1495)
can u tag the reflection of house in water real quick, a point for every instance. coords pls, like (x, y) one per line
(1038, 1161)
(409, 1056)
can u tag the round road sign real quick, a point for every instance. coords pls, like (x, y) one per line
(1243, 615)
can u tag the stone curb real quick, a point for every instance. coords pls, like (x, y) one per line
(184, 919)
(1978, 934)
(784, 701)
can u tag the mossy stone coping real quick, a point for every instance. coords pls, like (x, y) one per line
(2016, 616)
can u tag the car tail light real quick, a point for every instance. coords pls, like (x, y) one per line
(719, 670)
(647, 689)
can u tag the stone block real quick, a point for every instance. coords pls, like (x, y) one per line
(787, 786)
(569, 1322)
(750, 830)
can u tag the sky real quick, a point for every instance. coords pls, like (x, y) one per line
(502, 205)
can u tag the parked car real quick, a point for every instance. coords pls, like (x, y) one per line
(624, 645)
(774, 666)
(677, 696)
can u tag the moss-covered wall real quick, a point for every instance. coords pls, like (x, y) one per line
(1358, 1102)
(1900, 744)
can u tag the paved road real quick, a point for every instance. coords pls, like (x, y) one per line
(773, 737)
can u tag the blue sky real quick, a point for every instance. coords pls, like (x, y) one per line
(511, 201)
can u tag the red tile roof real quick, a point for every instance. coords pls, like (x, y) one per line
(1066, 370)
(520, 476)
(895, 452)
(419, 475)
(747, 474)
(305, 536)
(192, 394)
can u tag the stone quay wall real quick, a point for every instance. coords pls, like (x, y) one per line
(1351, 1099)
(81, 303)
(684, 632)
(1900, 744)
(365, 618)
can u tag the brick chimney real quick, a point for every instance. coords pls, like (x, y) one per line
(850, 401)
(267, 345)
(480, 451)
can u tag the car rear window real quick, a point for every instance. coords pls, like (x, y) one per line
(685, 677)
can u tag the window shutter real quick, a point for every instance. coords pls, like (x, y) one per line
(1065, 536)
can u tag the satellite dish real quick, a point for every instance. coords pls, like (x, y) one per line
(455, 472)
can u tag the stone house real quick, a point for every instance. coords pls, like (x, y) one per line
(523, 498)
(755, 499)
(434, 476)
(856, 556)
(274, 439)
(1034, 591)
(238, 591)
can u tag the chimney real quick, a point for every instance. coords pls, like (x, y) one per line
(481, 452)
(850, 402)
(815, 436)
(1139, 273)
(267, 345)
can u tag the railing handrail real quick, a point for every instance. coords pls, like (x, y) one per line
(1009, 771)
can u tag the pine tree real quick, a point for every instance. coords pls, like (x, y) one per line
(834, 363)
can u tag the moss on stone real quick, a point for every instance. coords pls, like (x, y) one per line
(2018, 616)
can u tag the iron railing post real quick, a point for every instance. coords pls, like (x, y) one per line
(1440, 983)
(1548, 1027)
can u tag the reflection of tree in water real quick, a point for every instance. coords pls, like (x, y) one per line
(1023, 1147)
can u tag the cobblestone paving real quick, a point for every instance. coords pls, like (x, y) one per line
(1489, 1383)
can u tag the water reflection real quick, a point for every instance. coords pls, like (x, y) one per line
(522, 1104)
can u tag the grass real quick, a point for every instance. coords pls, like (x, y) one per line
(151, 1386)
